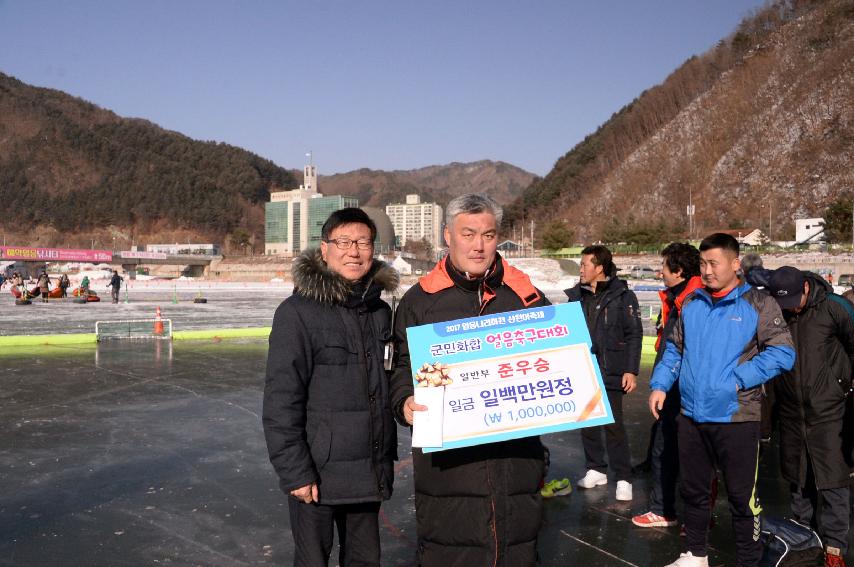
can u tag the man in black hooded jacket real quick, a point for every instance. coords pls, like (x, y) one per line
(329, 428)
(811, 401)
(613, 319)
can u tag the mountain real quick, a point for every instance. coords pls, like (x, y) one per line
(436, 183)
(72, 173)
(75, 174)
(763, 120)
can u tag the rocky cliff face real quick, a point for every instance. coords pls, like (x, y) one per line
(775, 127)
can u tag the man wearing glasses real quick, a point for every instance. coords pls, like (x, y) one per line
(329, 428)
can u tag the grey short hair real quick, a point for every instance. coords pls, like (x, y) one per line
(472, 204)
(750, 261)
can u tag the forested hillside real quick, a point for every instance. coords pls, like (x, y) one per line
(72, 173)
(762, 123)
(68, 167)
(438, 183)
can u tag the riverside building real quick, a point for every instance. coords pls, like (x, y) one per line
(293, 219)
(415, 220)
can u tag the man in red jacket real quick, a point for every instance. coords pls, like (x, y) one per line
(680, 270)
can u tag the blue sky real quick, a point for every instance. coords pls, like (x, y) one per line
(386, 85)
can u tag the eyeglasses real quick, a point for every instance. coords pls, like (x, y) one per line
(346, 243)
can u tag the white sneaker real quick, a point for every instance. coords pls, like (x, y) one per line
(689, 560)
(592, 479)
(624, 490)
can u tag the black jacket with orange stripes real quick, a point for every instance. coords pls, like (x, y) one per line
(475, 506)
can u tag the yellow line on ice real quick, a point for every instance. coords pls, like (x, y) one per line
(38, 340)
(213, 334)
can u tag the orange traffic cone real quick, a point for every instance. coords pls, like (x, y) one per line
(158, 323)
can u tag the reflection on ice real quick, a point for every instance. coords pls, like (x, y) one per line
(162, 442)
(157, 351)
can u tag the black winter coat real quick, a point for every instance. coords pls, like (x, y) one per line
(475, 506)
(326, 414)
(811, 397)
(615, 326)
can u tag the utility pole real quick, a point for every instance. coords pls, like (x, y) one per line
(770, 208)
(690, 211)
(514, 238)
(532, 238)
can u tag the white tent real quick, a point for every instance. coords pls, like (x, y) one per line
(402, 266)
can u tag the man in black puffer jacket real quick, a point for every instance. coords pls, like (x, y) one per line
(811, 400)
(475, 506)
(328, 424)
(613, 319)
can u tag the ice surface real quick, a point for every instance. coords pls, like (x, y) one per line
(230, 304)
(141, 453)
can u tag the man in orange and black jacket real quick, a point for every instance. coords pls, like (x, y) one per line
(474, 505)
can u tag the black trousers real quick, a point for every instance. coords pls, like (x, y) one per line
(734, 448)
(769, 412)
(358, 533)
(830, 518)
(664, 465)
(615, 440)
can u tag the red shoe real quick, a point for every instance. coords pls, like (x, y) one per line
(653, 520)
(833, 557)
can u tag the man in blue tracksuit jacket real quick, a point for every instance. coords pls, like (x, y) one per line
(730, 340)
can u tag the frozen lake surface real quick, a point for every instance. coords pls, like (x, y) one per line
(230, 305)
(152, 453)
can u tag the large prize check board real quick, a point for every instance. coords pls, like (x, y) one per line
(505, 376)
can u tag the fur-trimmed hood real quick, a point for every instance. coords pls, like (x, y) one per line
(314, 280)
